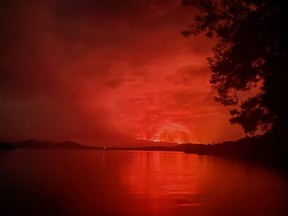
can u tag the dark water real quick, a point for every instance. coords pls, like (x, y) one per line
(127, 183)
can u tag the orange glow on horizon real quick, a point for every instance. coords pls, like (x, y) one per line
(171, 133)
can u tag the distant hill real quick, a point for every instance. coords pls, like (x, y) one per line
(35, 144)
(5, 146)
(137, 144)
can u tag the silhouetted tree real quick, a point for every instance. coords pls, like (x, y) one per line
(252, 50)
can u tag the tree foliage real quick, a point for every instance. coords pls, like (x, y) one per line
(252, 51)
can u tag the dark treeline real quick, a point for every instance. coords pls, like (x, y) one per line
(260, 149)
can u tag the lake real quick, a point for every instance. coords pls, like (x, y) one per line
(136, 183)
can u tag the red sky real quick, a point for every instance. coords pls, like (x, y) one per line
(101, 70)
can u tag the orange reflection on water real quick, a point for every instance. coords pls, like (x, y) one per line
(173, 183)
(163, 179)
(127, 183)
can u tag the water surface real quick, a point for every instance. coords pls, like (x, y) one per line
(132, 183)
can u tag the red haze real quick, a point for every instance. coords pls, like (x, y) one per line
(102, 70)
